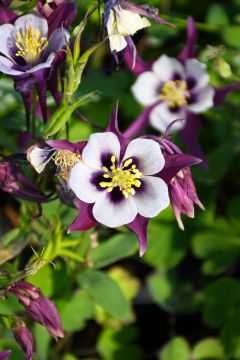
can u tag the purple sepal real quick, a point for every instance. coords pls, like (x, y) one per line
(67, 145)
(63, 15)
(190, 134)
(175, 163)
(139, 67)
(139, 226)
(41, 87)
(220, 93)
(113, 127)
(23, 337)
(140, 123)
(7, 15)
(188, 51)
(4, 355)
(85, 220)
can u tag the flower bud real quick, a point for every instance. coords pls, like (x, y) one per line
(23, 337)
(4, 355)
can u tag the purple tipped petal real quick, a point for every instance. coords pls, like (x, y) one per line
(188, 51)
(35, 21)
(57, 41)
(7, 67)
(139, 67)
(141, 122)
(139, 226)
(190, 135)
(4, 355)
(220, 93)
(62, 16)
(24, 338)
(7, 36)
(84, 221)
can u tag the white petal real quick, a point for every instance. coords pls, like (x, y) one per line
(80, 182)
(204, 100)
(100, 144)
(113, 214)
(8, 39)
(35, 21)
(128, 22)
(117, 42)
(197, 71)
(161, 117)
(6, 67)
(46, 64)
(39, 157)
(146, 88)
(165, 68)
(149, 154)
(154, 197)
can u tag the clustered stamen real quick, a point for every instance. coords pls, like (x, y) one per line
(175, 93)
(64, 161)
(30, 45)
(125, 177)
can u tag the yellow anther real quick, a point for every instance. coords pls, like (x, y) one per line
(30, 45)
(175, 93)
(64, 161)
(124, 179)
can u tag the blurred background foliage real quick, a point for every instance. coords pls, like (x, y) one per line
(181, 301)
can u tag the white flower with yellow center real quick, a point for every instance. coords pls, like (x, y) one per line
(122, 23)
(120, 182)
(176, 88)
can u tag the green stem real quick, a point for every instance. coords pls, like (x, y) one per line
(200, 26)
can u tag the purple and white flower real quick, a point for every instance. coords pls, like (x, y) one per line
(176, 89)
(120, 182)
(25, 46)
(123, 19)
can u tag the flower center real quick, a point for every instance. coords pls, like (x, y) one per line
(30, 45)
(175, 93)
(65, 160)
(125, 177)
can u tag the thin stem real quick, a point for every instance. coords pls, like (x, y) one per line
(200, 26)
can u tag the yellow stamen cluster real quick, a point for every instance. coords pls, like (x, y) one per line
(125, 177)
(65, 160)
(175, 93)
(30, 45)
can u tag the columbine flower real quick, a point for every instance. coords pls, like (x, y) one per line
(39, 308)
(27, 54)
(182, 191)
(175, 88)
(122, 20)
(23, 337)
(4, 355)
(13, 181)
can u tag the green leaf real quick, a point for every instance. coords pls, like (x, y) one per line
(116, 248)
(177, 349)
(230, 35)
(209, 349)
(221, 297)
(42, 341)
(11, 244)
(43, 280)
(230, 336)
(217, 15)
(105, 292)
(63, 115)
(77, 311)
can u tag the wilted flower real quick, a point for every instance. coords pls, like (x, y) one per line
(39, 308)
(175, 88)
(27, 54)
(23, 337)
(13, 181)
(122, 20)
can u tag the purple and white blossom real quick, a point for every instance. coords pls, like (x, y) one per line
(177, 89)
(123, 19)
